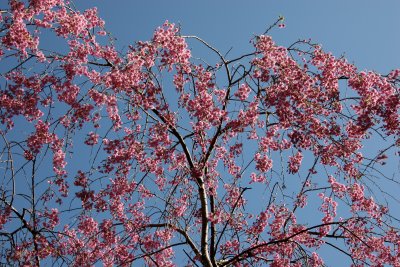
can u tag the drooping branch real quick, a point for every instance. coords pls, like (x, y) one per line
(243, 254)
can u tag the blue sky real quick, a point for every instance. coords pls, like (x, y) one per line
(365, 31)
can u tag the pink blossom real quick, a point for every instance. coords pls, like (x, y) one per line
(92, 139)
(263, 163)
(243, 92)
(295, 162)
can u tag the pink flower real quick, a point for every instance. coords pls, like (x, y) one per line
(92, 139)
(243, 92)
(263, 163)
(295, 162)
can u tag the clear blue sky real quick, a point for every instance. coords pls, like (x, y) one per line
(365, 30)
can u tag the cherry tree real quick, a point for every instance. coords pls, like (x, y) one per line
(152, 157)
